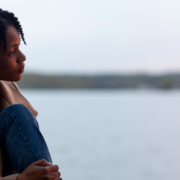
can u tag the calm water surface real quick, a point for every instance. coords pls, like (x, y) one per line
(119, 135)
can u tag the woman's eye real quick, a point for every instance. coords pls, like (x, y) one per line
(11, 53)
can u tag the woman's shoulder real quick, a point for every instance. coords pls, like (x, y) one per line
(11, 84)
(10, 94)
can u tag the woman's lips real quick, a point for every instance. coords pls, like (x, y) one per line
(21, 70)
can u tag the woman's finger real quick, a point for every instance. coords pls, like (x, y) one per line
(58, 179)
(52, 168)
(54, 175)
(42, 162)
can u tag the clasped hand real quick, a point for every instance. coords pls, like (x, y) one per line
(40, 170)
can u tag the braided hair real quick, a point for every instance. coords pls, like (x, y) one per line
(7, 19)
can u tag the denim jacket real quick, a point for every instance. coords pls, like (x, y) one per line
(10, 94)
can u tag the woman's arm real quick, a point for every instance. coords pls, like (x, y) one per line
(11, 177)
(39, 170)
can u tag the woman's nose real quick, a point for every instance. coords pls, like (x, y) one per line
(21, 57)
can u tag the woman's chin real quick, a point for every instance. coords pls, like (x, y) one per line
(17, 78)
(14, 78)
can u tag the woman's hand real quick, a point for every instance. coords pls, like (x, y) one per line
(40, 170)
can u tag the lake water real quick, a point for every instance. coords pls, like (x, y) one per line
(103, 135)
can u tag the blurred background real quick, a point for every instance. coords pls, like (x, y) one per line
(105, 79)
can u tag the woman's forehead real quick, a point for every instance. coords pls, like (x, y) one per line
(12, 36)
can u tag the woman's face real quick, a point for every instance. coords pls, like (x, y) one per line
(12, 61)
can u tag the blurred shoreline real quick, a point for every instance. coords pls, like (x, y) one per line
(102, 81)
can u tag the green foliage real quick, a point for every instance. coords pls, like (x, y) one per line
(99, 81)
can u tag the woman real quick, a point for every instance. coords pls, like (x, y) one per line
(22, 145)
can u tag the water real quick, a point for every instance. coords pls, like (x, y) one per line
(119, 135)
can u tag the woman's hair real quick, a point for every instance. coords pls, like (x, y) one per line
(8, 19)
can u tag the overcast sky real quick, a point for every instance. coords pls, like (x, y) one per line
(98, 36)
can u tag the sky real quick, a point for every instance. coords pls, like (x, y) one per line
(99, 36)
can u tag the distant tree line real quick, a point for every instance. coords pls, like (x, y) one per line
(165, 81)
